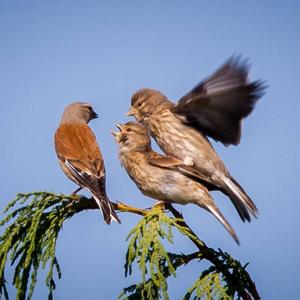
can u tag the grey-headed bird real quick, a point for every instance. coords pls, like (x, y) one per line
(79, 155)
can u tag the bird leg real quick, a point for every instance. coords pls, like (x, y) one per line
(122, 207)
(76, 191)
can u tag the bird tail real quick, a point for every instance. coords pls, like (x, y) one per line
(107, 209)
(217, 213)
(242, 202)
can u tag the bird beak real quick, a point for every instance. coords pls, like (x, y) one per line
(131, 112)
(114, 133)
(119, 126)
(94, 115)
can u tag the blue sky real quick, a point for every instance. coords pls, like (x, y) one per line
(55, 52)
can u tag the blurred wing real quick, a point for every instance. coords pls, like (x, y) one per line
(217, 105)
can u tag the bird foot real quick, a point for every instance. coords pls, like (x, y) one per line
(160, 204)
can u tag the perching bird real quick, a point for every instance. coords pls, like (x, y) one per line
(79, 155)
(215, 108)
(162, 177)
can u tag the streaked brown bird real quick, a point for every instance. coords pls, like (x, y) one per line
(162, 177)
(79, 155)
(214, 108)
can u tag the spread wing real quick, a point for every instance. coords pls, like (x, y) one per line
(217, 105)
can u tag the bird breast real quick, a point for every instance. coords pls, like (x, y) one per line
(143, 174)
(173, 136)
(159, 183)
(183, 142)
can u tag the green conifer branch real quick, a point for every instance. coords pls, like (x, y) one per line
(208, 286)
(33, 221)
(29, 239)
(234, 274)
(236, 280)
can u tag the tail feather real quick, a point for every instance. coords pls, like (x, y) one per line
(242, 202)
(107, 209)
(217, 213)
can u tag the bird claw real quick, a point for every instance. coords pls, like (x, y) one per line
(160, 204)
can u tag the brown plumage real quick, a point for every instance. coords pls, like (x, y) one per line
(214, 108)
(162, 177)
(80, 157)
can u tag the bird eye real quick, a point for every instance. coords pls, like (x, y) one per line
(129, 129)
(89, 108)
(139, 104)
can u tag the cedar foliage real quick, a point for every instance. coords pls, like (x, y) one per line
(32, 224)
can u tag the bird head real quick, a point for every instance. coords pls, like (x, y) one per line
(132, 137)
(146, 102)
(79, 112)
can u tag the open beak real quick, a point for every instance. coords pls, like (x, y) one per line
(119, 126)
(131, 112)
(114, 133)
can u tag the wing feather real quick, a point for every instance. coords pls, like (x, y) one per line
(217, 105)
(167, 162)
